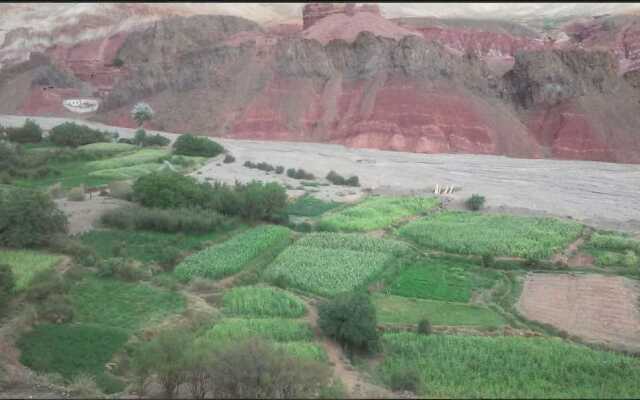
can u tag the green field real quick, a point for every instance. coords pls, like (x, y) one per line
(304, 350)
(144, 246)
(309, 206)
(70, 349)
(233, 255)
(325, 266)
(613, 250)
(124, 173)
(254, 301)
(128, 306)
(394, 310)
(107, 148)
(273, 329)
(441, 278)
(351, 241)
(507, 367)
(142, 156)
(376, 213)
(499, 234)
(26, 263)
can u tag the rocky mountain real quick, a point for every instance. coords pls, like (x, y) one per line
(345, 73)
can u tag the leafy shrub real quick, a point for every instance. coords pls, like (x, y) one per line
(122, 269)
(28, 217)
(30, 132)
(76, 194)
(338, 179)
(168, 189)
(475, 202)
(189, 145)
(165, 220)
(630, 259)
(83, 254)
(350, 318)
(117, 62)
(228, 159)
(300, 174)
(45, 284)
(279, 169)
(7, 285)
(488, 260)
(74, 135)
(142, 139)
(249, 164)
(424, 327)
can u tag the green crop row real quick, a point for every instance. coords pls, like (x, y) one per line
(262, 302)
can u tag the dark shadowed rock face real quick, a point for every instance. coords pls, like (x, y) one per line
(435, 89)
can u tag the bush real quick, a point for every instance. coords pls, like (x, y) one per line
(117, 62)
(30, 132)
(44, 284)
(84, 386)
(56, 309)
(228, 159)
(279, 169)
(7, 285)
(353, 181)
(424, 327)
(190, 220)
(263, 166)
(28, 218)
(83, 254)
(475, 202)
(249, 164)
(76, 194)
(338, 179)
(350, 318)
(74, 135)
(630, 259)
(404, 378)
(189, 145)
(261, 201)
(167, 189)
(120, 268)
(142, 139)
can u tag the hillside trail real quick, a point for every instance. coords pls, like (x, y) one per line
(356, 385)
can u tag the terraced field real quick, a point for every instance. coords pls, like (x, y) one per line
(26, 263)
(497, 234)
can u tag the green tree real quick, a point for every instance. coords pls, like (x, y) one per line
(350, 318)
(190, 145)
(28, 217)
(141, 113)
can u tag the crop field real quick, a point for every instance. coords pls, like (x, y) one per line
(70, 349)
(613, 249)
(145, 246)
(130, 172)
(376, 213)
(393, 310)
(26, 263)
(499, 234)
(326, 265)
(508, 367)
(441, 278)
(143, 156)
(273, 329)
(351, 241)
(234, 254)
(254, 301)
(127, 306)
(309, 206)
(304, 350)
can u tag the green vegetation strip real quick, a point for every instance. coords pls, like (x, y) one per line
(73, 349)
(275, 329)
(143, 156)
(233, 255)
(396, 310)
(127, 306)
(26, 263)
(614, 249)
(376, 213)
(507, 367)
(262, 302)
(143, 245)
(498, 234)
(309, 206)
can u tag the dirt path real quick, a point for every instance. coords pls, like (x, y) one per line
(356, 385)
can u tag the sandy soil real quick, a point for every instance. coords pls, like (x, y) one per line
(83, 215)
(600, 194)
(596, 308)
